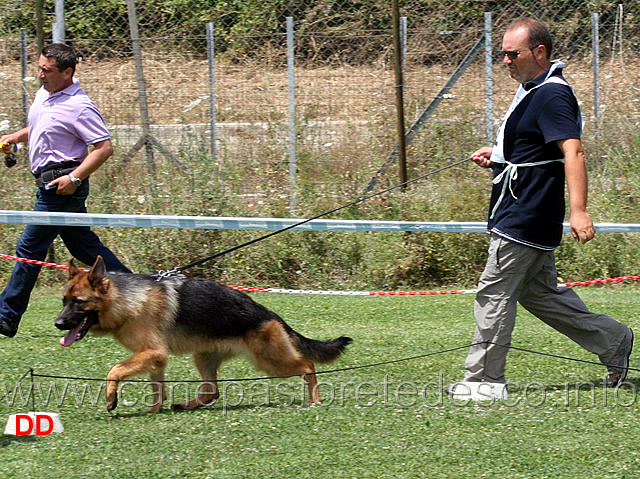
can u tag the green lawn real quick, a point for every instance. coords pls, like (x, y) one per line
(389, 420)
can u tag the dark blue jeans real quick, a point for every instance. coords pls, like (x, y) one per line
(82, 243)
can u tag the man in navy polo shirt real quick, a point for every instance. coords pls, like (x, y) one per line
(63, 123)
(538, 148)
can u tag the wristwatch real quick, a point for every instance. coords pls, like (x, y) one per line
(75, 181)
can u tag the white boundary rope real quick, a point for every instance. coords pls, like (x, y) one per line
(251, 289)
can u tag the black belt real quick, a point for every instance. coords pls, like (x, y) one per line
(50, 173)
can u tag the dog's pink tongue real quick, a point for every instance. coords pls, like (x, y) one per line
(70, 337)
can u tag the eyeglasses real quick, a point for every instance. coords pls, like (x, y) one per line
(513, 54)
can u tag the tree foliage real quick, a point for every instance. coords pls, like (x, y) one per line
(243, 27)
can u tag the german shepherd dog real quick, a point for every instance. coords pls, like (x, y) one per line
(180, 315)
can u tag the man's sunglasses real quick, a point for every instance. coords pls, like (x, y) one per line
(513, 54)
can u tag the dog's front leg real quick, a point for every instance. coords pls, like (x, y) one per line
(112, 392)
(148, 361)
(159, 394)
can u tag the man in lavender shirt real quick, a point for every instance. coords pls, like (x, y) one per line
(63, 124)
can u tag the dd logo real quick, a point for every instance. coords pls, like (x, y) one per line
(41, 424)
(38, 423)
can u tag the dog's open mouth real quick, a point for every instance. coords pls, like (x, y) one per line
(79, 332)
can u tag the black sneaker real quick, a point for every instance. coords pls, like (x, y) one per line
(619, 364)
(7, 328)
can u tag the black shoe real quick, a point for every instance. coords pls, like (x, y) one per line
(619, 364)
(7, 328)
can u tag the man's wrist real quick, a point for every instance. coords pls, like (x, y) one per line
(74, 180)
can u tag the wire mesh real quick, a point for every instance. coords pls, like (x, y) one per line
(345, 112)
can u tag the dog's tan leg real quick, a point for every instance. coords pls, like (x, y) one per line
(159, 394)
(148, 361)
(312, 384)
(274, 352)
(300, 367)
(207, 364)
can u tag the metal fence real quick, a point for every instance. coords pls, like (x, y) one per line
(340, 74)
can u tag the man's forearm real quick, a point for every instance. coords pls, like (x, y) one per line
(94, 160)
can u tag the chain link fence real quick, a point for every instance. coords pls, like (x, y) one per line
(344, 115)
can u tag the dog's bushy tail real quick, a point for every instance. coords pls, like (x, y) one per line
(321, 351)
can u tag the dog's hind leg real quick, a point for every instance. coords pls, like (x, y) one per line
(292, 366)
(148, 361)
(312, 383)
(207, 364)
(274, 352)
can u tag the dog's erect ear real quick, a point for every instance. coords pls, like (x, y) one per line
(98, 270)
(73, 269)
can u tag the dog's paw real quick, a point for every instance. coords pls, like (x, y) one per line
(111, 405)
(186, 406)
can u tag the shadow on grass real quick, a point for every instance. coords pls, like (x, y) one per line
(8, 440)
(628, 384)
(593, 393)
(213, 409)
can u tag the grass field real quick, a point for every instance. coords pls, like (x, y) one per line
(389, 420)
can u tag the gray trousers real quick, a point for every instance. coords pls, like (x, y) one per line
(516, 273)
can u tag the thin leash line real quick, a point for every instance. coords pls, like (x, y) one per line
(349, 368)
(566, 358)
(273, 233)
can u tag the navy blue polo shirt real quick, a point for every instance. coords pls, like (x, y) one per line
(545, 115)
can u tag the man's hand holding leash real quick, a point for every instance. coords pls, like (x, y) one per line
(481, 157)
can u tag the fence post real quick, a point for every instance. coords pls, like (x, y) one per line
(595, 41)
(403, 39)
(428, 111)
(24, 66)
(39, 25)
(212, 85)
(142, 89)
(292, 116)
(147, 140)
(488, 60)
(399, 87)
(58, 30)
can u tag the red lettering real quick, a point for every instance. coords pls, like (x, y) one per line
(39, 430)
(23, 432)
